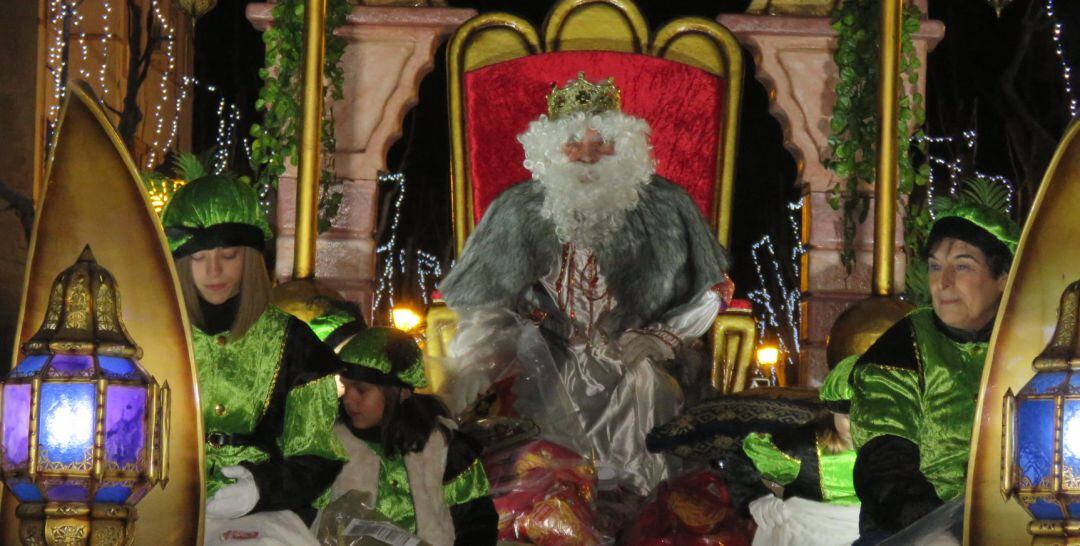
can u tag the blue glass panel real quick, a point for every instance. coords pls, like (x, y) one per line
(1070, 445)
(1034, 440)
(25, 491)
(1074, 383)
(118, 368)
(115, 494)
(1042, 509)
(66, 435)
(16, 431)
(29, 366)
(1074, 510)
(65, 365)
(1044, 382)
(67, 492)
(125, 427)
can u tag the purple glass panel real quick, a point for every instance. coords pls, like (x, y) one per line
(114, 493)
(24, 490)
(119, 368)
(125, 428)
(71, 366)
(66, 436)
(29, 366)
(138, 493)
(66, 491)
(16, 433)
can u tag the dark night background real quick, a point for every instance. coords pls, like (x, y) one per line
(999, 77)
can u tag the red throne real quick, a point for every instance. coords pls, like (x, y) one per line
(684, 106)
(685, 80)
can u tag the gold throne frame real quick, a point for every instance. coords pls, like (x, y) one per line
(601, 25)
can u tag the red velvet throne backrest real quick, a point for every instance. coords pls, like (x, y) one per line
(684, 106)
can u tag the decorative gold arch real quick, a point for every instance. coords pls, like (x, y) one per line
(93, 195)
(593, 25)
(1047, 261)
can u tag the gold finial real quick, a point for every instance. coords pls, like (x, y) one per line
(83, 315)
(580, 95)
(1063, 351)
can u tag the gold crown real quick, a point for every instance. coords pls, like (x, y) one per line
(580, 95)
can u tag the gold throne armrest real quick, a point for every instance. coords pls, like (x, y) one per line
(730, 343)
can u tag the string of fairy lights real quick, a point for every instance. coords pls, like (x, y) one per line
(777, 297)
(1056, 30)
(385, 286)
(71, 33)
(956, 169)
(396, 261)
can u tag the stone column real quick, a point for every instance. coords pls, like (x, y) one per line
(389, 51)
(794, 61)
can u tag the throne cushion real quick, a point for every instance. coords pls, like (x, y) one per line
(683, 104)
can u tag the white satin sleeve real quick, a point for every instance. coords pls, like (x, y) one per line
(694, 318)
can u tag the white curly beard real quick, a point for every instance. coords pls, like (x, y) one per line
(588, 202)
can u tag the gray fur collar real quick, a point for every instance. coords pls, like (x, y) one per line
(664, 256)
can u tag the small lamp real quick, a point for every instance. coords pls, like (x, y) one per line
(1040, 463)
(405, 318)
(83, 427)
(767, 358)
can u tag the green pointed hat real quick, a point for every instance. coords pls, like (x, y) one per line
(836, 391)
(384, 356)
(992, 221)
(214, 211)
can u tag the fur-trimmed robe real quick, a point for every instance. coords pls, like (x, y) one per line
(656, 271)
(663, 256)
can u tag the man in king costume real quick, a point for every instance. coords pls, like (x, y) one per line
(597, 274)
(916, 388)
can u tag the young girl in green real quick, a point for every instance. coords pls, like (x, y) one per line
(266, 385)
(423, 474)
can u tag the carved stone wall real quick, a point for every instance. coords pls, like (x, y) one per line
(389, 50)
(793, 56)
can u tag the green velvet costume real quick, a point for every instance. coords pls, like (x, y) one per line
(268, 398)
(829, 474)
(914, 398)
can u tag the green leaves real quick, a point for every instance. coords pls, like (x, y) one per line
(854, 124)
(985, 192)
(276, 139)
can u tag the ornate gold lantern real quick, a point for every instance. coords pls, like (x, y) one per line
(1041, 436)
(83, 427)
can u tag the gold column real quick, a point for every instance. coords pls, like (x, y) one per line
(307, 183)
(887, 167)
(303, 296)
(861, 324)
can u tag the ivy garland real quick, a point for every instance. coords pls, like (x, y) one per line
(854, 124)
(277, 138)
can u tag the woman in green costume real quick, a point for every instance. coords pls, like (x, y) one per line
(915, 389)
(422, 474)
(267, 395)
(815, 470)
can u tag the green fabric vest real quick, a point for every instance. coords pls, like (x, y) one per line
(834, 470)
(933, 405)
(236, 381)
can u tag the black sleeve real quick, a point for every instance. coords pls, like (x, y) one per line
(476, 523)
(293, 482)
(306, 358)
(893, 490)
